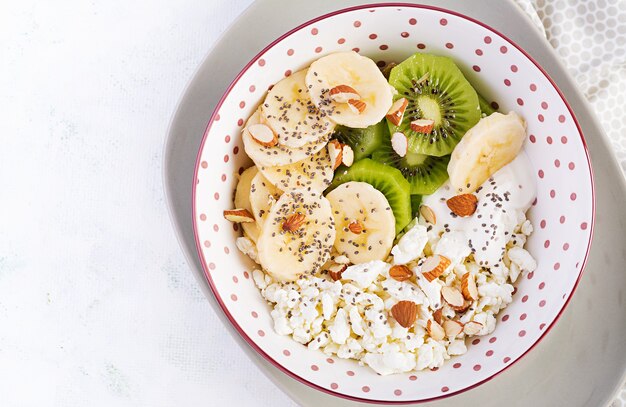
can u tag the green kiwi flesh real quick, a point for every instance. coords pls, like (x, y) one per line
(437, 90)
(416, 201)
(384, 178)
(424, 173)
(363, 141)
(485, 107)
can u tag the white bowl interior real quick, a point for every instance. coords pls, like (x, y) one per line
(562, 215)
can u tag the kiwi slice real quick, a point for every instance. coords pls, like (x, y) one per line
(485, 107)
(425, 173)
(363, 141)
(436, 90)
(384, 178)
(416, 201)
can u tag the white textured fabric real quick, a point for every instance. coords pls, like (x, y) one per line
(590, 37)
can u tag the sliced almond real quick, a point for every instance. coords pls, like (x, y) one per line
(347, 155)
(342, 259)
(263, 134)
(239, 215)
(452, 296)
(428, 214)
(293, 222)
(400, 272)
(405, 312)
(468, 287)
(422, 125)
(435, 330)
(335, 151)
(452, 328)
(434, 266)
(335, 271)
(343, 94)
(472, 328)
(438, 316)
(463, 205)
(423, 79)
(462, 308)
(400, 143)
(356, 227)
(357, 106)
(396, 113)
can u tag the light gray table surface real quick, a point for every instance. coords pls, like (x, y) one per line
(520, 388)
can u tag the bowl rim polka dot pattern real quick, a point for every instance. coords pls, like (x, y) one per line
(262, 62)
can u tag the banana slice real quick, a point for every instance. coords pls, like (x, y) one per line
(242, 200)
(364, 222)
(278, 154)
(488, 146)
(333, 80)
(263, 195)
(297, 235)
(289, 111)
(314, 173)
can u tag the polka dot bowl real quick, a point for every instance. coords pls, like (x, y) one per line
(507, 77)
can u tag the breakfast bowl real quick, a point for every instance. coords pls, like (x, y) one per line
(511, 81)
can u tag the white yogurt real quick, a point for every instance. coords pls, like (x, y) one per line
(502, 200)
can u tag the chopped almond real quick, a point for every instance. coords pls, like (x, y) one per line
(293, 222)
(335, 151)
(428, 214)
(422, 125)
(347, 155)
(452, 328)
(400, 272)
(463, 205)
(438, 316)
(435, 330)
(263, 134)
(400, 143)
(239, 215)
(452, 296)
(355, 227)
(462, 308)
(357, 106)
(472, 328)
(468, 287)
(343, 94)
(335, 271)
(396, 113)
(434, 266)
(405, 312)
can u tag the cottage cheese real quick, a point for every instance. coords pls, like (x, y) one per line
(522, 259)
(352, 318)
(364, 274)
(247, 247)
(410, 245)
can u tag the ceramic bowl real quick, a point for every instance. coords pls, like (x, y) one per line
(508, 77)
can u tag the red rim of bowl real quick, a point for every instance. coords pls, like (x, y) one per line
(207, 274)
